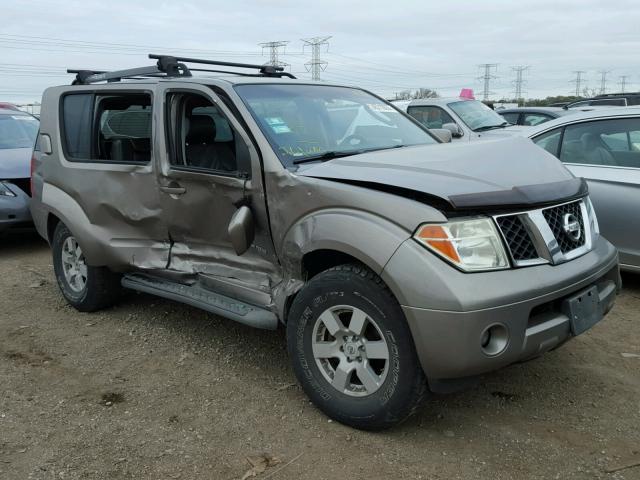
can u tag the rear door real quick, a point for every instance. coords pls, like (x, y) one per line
(209, 168)
(105, 168)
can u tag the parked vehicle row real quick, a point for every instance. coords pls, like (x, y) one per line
(398, 266)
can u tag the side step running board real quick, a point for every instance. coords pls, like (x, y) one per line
(199, 297)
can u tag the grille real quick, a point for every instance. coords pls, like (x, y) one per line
(517, 237)
(554, 217)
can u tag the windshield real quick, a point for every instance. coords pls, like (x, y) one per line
(476, 115)
(17, 131)
(308, 121)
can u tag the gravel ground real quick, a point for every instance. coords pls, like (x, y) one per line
(153, 389)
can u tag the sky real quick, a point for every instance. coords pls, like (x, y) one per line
(385, 47)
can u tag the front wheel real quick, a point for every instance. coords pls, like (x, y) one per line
(85, 287)
(352, 350)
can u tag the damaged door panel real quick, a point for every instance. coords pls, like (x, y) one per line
(209, 173)
(105, 148)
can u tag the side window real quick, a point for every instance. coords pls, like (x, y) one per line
(511, 117)
(618, 102)
(107, 127)
(123, 128)
(429, 116)
(533, 119)
(201, 136)
(77, 110)
(550, 141)
(604, 142)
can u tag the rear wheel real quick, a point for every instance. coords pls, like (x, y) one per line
(352, 350)
(85, 287)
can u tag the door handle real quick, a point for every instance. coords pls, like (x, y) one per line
(173, 188)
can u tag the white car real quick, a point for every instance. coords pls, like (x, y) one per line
(468, 120)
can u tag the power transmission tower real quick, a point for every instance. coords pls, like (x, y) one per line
(603, 81)
(519, 82)
(623, 82)
(487, 77)
(578, 81)
(274, 51)
(316, 64)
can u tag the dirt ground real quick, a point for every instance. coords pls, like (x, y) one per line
(156, 390)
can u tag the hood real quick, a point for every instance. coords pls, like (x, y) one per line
(15, 163)
(503, 173)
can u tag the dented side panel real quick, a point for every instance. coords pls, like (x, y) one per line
(114, 208)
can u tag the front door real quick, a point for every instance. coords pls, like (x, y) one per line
(208, 169)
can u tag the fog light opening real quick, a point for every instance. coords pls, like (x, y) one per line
(494, 339)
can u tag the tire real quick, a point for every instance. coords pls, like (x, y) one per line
(375, 393)
(84, 287)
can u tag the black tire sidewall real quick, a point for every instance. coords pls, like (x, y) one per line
(74, 298)
(390, 403)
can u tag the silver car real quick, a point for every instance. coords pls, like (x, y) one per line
(18, 131)
(603, 146)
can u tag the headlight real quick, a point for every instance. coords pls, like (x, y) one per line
(471, 245)
(4, 191)
(591, 213)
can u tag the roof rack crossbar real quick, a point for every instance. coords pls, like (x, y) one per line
(243, 74)
(265, 70)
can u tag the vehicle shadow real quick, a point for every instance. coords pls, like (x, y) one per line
(630, 281)
(15, 243)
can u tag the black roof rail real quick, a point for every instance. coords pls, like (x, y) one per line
(170, 66)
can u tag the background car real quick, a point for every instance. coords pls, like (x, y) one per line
(531, 116)
(18, 131)
(468, 120)
(608, 99)
(603, 146)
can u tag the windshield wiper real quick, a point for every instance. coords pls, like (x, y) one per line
(330, 155)
(491, 127)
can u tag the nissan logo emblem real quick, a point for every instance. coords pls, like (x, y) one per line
(571, 227)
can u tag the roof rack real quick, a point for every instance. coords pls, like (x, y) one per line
(170, 66)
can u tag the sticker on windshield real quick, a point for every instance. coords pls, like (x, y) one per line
(380, 107)
(277, 124)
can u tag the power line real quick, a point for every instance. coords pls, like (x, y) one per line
(519, 81)
(578, 81)
(316, 64)
(274, 50)
(487, 77)
(603, 81)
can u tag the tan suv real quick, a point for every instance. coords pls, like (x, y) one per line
(397, 265)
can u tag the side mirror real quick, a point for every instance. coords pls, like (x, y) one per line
(444, 134)
(241, 229)
(456, 131)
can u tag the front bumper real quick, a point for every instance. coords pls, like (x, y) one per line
(449, 311)
(14, 211)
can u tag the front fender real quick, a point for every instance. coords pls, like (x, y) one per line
(365, 236)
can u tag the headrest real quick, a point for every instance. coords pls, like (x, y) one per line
(590, 140)
(202, 129)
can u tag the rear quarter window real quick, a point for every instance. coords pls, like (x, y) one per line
(76, 118)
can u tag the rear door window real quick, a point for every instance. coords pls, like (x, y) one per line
(107, 127)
